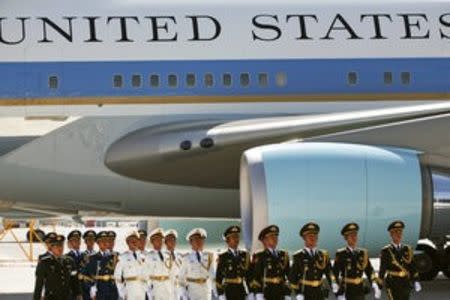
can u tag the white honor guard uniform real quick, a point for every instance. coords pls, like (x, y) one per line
(176, 258)
(130, 274)
(197, 272)
(159, 268)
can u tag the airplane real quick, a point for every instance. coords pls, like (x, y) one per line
(264, 112)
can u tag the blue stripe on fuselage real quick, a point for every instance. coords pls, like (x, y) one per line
(304, 76)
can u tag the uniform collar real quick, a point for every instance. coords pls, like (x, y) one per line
(351, 249)
(399, 246)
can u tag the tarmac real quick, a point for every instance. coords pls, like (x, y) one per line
(17, 274)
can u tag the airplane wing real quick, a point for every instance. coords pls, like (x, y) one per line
(207, 153)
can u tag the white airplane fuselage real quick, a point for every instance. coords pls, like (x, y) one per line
(113, 67)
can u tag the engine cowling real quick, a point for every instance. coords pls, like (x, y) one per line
(333, 184)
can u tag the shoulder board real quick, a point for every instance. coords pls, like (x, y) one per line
(223, 253)
(341, 250)
(184, 254)
(386, 247)
(284, 252)
(296, 253)
(258, 253)
(46, 257)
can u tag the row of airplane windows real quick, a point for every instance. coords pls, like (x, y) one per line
(226, 80)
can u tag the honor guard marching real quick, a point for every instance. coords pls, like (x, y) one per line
(170, 240)
(47, 238)
(309, 267)
(56, 274)
(74, 243)
(232, 268)
(271, 267)
(159, 265)
(350, 265)
(130, 273)
(85, 281)
(100, 270)
(397, 268)
(142, 244)
(196, 273)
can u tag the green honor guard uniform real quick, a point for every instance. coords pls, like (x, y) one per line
(232, 271)
(56, 274)
(398, 271)
(350, 265)
(310, 265)
(270, 267)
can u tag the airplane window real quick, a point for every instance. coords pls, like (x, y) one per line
(154, 80)
(136, 80)
(53, 82)
(245, 79)
(263, 80)
(118, 81)
(173, 80)
(281, 79)
(226, 79)
(405, 78)
(388, 78)
(352, 78)
(209, 80)
(190, 80)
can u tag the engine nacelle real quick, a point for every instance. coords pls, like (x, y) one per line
(333, 184)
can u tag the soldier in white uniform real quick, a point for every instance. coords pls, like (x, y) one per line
(130, 272)
(197, 272)
(170, 239)
(159, 267)
(142, 244)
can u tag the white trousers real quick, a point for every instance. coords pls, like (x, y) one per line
(135, 290)
(198, 291)
(162, 290)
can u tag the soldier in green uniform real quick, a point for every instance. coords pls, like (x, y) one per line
(270, 268)
(232, 268)
(350, 265)
(397, 268)
(310, 265)
(56, 274)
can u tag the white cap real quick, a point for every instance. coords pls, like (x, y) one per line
(171, 232)
(196, 231)
(156, 231)
(132, 233)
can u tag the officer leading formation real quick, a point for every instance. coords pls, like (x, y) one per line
(161, 272)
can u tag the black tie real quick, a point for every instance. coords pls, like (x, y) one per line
(134, 255)
(198, 256)
(160, 256)
(172, 254)
(275, 254)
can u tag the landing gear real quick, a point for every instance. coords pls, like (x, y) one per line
(427, 262)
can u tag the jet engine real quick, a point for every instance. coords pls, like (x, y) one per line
(333, 184)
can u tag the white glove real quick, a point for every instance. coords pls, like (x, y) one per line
(93, 292)
(123, 293)
(150, 293)
(376, 291)
(222, 297)
(287, 298)
(251, 296)
(300, 297)
(259, 296)
(334, 287)
(341, 297)
(417, 286)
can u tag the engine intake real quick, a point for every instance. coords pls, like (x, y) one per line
(332, 184)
